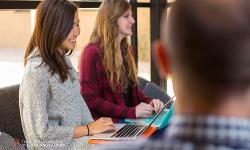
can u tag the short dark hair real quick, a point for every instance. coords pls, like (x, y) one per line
(210, 44)
(54, 21)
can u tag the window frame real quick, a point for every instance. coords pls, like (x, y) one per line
(155, 6)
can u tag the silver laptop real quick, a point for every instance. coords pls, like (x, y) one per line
(129, 131)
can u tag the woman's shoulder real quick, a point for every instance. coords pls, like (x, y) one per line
(92, 51)
(34, 73)
(35, 67)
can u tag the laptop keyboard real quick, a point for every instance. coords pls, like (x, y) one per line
(130, 130)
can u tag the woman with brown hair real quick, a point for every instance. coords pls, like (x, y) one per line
(53, 112)
(108, 74)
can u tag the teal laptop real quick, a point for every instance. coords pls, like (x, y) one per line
(132, 130)
(161, 121)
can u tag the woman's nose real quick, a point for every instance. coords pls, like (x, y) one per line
(132, 20)
(76, 31)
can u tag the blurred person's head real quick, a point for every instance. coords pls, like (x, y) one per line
(113, 24)
(55, 33)
(206, 48)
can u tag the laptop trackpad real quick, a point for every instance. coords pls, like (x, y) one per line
(108, 134)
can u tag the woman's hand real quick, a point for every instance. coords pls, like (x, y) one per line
(101, 125)
(143, 110)
(156, 104)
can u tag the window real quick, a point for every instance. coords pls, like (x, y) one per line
(143, 25)
(170, 90)
(17, 26)
(15, 32)
(143, 1)
(87, 20)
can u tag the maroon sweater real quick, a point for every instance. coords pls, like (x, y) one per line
(97, 92)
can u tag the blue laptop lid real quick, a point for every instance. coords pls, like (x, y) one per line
(163, 119)
(167, 117)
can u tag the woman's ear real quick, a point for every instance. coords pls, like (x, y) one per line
(161, 58)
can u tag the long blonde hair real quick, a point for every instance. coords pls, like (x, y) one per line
(106, 33)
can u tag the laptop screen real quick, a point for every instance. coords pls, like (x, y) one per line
(171, 100)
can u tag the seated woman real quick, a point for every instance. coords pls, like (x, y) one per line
(53, 112)
(108, 74)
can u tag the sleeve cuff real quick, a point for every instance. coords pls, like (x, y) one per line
(131, 113)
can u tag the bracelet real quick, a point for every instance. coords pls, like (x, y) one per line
(88, 129)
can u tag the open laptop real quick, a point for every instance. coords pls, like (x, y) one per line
(129, 131)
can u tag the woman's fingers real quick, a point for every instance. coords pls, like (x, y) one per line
(157, 105)
(148, 111)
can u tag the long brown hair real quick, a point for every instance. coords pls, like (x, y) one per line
(54, 21)
(106, 33)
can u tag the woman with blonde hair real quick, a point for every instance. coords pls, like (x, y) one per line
(108, 75)
(53, 112)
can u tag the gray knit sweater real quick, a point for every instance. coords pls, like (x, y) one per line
(50, 109)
